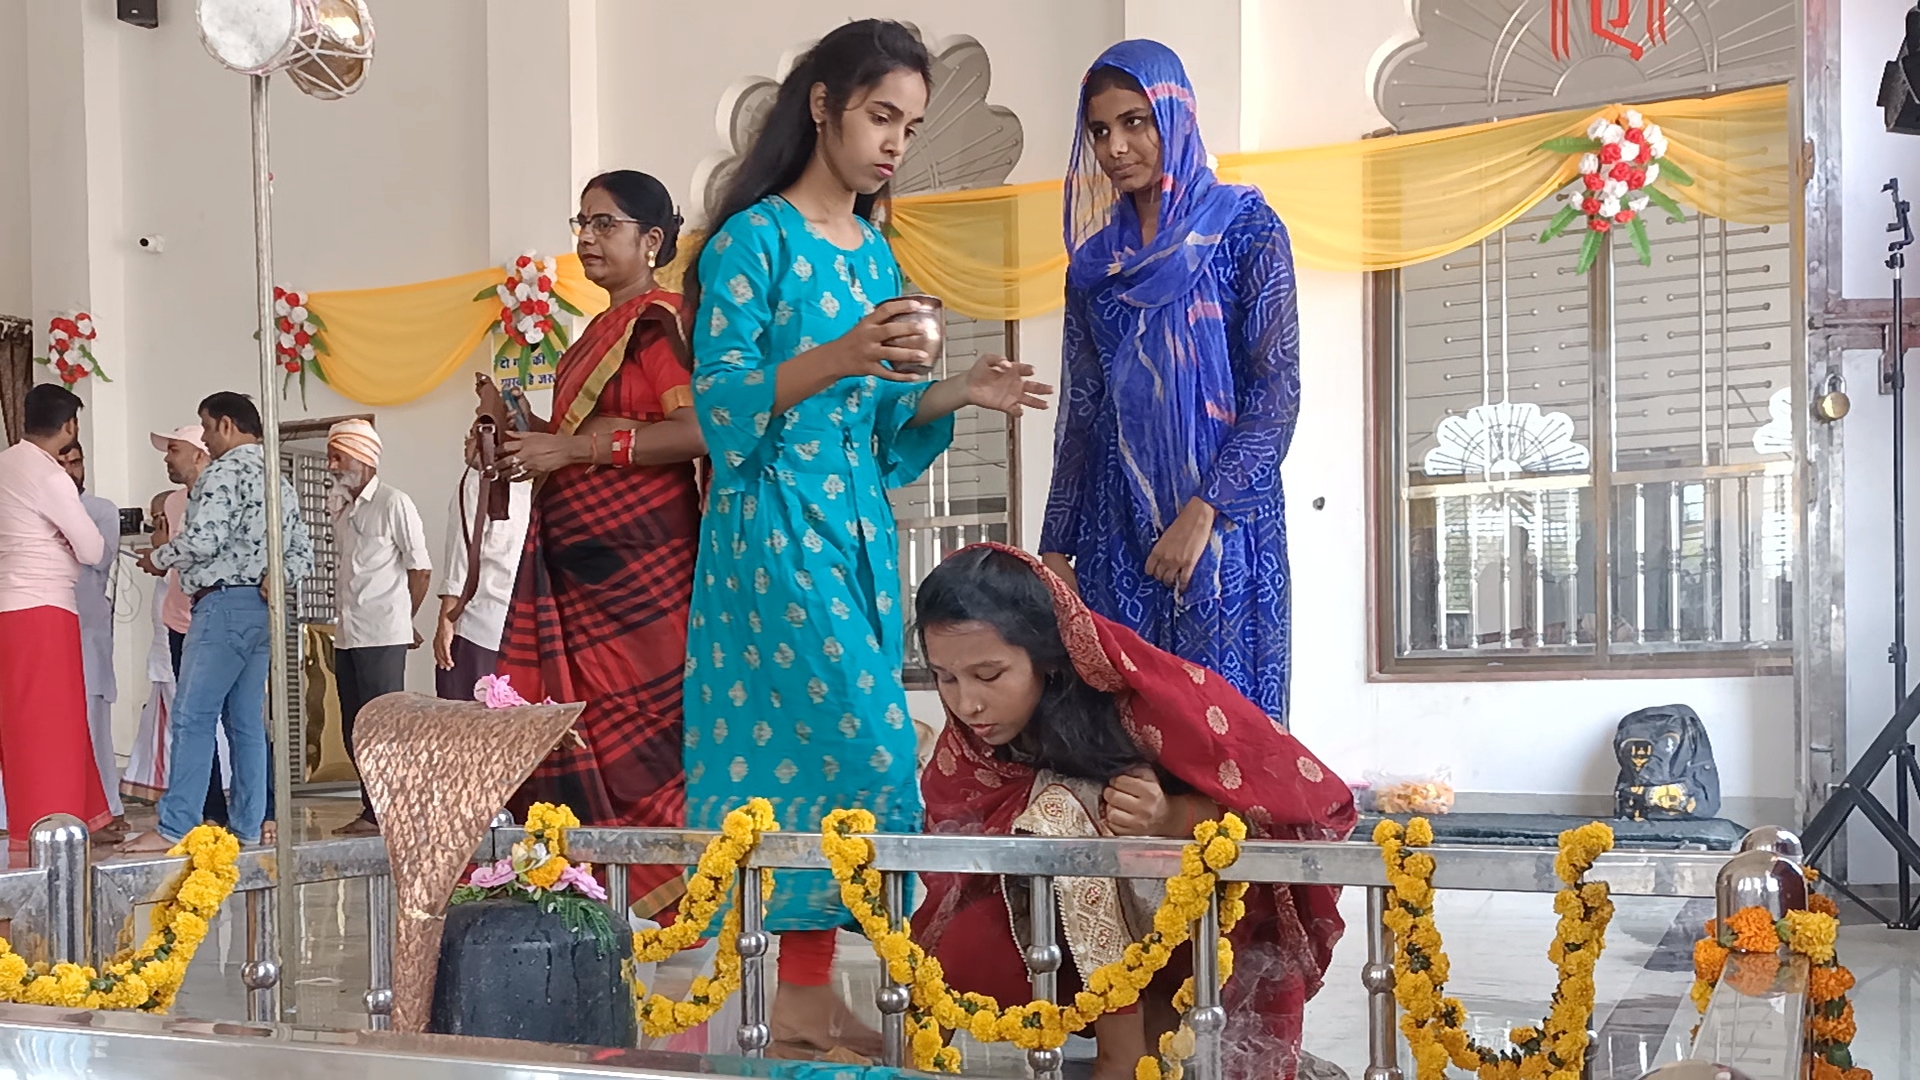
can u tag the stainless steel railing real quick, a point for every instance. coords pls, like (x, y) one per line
(83, 922)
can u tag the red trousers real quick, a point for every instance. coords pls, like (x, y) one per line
(46, 752)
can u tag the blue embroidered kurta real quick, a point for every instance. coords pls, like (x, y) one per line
(1241, 628)
(796, 637)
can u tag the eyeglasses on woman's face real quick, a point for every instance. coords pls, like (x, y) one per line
(599, 224)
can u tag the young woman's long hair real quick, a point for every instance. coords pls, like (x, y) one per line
(1075, 730)
(851, 59)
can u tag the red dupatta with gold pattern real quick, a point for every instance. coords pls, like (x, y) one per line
(1191, 724)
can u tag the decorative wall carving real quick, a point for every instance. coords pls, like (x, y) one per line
(1480, 60)
(964, 143)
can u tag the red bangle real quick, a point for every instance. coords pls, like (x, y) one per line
(621, 444)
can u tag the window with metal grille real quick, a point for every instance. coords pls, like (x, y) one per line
(1516, 532)
(970, 493)
(304, 464)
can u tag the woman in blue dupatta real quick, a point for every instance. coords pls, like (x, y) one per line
(1181, 363)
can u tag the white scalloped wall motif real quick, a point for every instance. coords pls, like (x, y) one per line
(1480, 60)
(965, 142)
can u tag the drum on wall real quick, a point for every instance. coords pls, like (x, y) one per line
(324, 46)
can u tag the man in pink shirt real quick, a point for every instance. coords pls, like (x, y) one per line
(46, 752)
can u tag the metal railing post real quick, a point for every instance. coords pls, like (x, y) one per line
(60, 847)
(261, 973)
(1383, 1033)
(1209, 1019)
(1043, 967)
(893, 998)
(755, 1034)
(617, 888)
(380, 952)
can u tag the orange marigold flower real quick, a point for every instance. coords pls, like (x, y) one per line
(1839, 1029)
(1709, 957)
(1753, 973)
(1822, 905)
(1828, 983)
(1753, 931)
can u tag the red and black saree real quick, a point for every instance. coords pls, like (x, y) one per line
(1197, 730)
(599, 610)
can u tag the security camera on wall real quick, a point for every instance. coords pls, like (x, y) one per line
(153, 243)
(1900, 82)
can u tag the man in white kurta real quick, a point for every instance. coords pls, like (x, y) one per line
(92, 595)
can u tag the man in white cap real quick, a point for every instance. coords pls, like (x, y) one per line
(381, 581)
(187, 457)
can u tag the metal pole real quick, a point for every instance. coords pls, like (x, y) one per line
(59, 844)
(1209, 1019)
(617, 877)
(261, 974)
(755, 1035)
(893, 998)
(380, 952)
(281, 753)
(1896, 341)
(1043, 965)
(1383, 1033)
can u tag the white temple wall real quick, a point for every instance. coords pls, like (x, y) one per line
(1543, 745)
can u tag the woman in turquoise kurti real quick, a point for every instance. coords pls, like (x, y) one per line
(796, 637)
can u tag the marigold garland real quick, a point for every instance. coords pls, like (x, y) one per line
(147, 978)
(715, 878)
(1746, 954)
(1036, 1025)
(1436, 1025)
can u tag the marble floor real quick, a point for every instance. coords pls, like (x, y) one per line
(1497, 941)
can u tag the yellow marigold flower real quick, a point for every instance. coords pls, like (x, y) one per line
(1811, 934)
(1147, 1068)
(1387, 830)
(547, 873)
(1220, 853)
(1419, 832)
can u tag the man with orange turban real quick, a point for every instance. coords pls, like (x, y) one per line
(380, 581)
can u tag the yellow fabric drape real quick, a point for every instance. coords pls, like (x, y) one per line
(992, 253)
(1371, 204)
(390, 345)
(996, 253)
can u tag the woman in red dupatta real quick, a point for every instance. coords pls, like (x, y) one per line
(599, 610)
(1061, 723)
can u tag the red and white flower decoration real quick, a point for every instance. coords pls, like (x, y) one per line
(297, 344)
(1620, 160)
(70, 349)
(530, 328)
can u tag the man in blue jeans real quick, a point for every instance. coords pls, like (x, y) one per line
(221, 555)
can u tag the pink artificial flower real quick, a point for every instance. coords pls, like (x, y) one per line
(582, 882)
(492, 877)
(498, 692)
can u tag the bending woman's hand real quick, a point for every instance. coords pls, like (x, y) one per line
(1136, 804)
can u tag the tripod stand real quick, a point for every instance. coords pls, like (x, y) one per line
(1892, 745)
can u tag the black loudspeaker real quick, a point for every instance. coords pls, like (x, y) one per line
(1900, 82)
(140, 12)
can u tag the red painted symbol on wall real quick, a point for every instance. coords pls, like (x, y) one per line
(1607, 18)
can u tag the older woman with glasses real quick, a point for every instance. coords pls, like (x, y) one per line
(599, 611)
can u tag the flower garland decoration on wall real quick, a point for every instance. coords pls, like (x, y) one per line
(297, 344)
(70, 348)
(532, 336)
(147, 978)
(1746, 954)
(1436, 1025)
(538, 871)
(1620, 160)
(1037, 1025)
